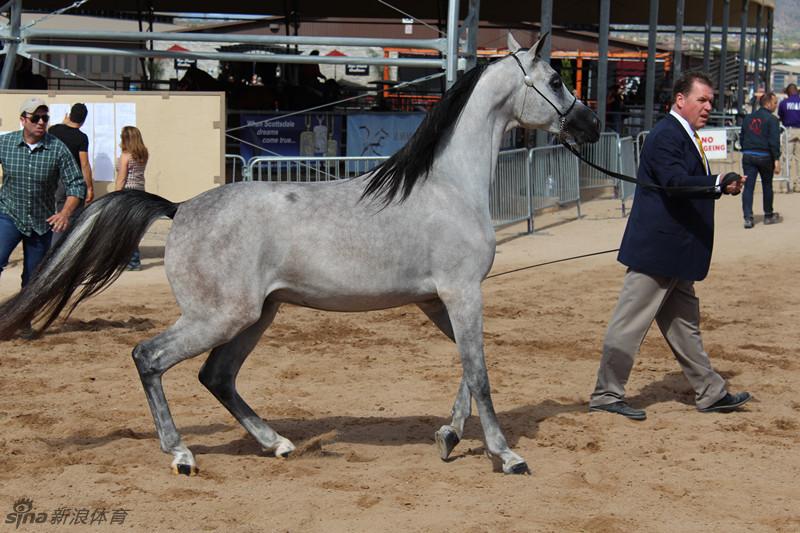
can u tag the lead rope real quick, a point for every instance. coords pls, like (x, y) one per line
(551, 263)
(676, 191)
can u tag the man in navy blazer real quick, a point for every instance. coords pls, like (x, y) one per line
(667, 247)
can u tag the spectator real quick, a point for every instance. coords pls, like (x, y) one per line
(616, 107)
(761, 148)
(130, 172)
(789, 109)
(33, 162)
(310, 74)
(78, 143)
(789, 113)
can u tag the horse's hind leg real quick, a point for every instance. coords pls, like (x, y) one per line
(465, 309)
(184, 339)
(219, 376)
(450, 435)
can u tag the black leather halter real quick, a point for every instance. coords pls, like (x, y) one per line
(529, 82)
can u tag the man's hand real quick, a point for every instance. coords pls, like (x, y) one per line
(734, 186)
(89, 196)
(777, 167)
(59, 222)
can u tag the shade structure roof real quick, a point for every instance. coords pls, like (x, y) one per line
(570, 13)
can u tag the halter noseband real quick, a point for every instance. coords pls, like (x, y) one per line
(529, 82)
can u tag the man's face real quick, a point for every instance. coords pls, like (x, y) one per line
(34, 123)
(696, 106)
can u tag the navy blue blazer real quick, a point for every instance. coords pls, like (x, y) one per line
(671, 237)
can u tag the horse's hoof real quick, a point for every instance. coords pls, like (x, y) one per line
(186, 470)
(446, 441)
(284, 449)
(517, 468)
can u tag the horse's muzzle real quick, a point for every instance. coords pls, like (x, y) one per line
(583, 125)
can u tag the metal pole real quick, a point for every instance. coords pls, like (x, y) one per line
(742, 58)
(650, 80)
(768, 73)
(452, 43)
(707, 36)
(15, 19)
(602, 65)
(80, 35)
(723, 55)
(472, 23)
(150, 61)
(677, 63)
(757, 55)
(545, 26)
(234, 56)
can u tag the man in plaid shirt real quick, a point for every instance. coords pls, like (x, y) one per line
(33, 161)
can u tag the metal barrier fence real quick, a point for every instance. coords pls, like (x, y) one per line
(235, 168)
(310, 169)
(555, 177)
(526, 180)
(510, 192)
(627, 166)
(639, 143)
(605, 153)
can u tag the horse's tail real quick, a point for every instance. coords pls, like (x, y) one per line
(91, 255)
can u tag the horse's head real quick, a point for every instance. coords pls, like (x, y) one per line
(543, 100)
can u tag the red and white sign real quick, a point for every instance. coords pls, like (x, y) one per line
(715, 143)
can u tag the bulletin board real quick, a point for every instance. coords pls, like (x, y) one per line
(184, 133)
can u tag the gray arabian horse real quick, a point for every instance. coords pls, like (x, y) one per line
(415, 231)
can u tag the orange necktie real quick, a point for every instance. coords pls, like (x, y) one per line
(702, 152)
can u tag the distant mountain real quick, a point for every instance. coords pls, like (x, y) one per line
(787, 22)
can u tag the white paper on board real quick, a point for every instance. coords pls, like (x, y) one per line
(104, 158)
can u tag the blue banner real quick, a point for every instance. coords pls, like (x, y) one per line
(312, 134)
(370, 134)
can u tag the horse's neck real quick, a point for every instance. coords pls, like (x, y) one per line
(470, 155)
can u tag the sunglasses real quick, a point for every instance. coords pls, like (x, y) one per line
(36, 118)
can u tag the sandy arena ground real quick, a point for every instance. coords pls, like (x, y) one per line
(362, 394)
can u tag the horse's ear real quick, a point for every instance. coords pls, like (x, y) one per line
(537, 47)
(512, 43)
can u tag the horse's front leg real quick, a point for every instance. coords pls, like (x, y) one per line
(465, 309)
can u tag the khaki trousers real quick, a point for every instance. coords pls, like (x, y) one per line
(791, 159)
(675, 308)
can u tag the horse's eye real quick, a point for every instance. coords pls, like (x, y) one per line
(555, 82)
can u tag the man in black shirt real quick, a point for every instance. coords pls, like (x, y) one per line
(761, 149)
(78, 143)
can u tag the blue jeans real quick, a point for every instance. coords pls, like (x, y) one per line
(136, 259)
(752, 166)
(33, 247)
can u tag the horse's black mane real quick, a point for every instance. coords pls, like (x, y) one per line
(411, 164)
